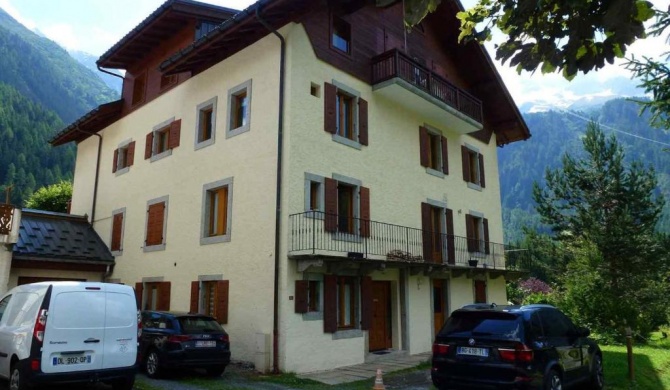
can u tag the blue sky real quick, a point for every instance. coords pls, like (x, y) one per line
(94, 26)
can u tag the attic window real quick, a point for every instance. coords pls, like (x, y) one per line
(139, 87)
(168, 81)
(203, 28)
(341, 35)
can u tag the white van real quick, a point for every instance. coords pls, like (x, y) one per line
(68, 332)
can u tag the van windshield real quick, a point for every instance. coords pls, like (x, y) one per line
(194, 325)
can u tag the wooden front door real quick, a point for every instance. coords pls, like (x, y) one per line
(439, 304)
(480, 291)
(380, 329)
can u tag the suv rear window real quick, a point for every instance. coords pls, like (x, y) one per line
(193, 325)
(465, 324)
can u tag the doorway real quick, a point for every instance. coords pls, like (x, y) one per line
(380, 335)
(440, 307)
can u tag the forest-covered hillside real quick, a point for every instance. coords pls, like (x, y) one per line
(558, 132)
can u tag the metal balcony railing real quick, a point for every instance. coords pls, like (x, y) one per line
(317, 233)
(395, 63)
(6, 218)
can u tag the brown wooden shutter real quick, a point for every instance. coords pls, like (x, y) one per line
(366, 302)
(365, 212)
(330, 108)
(451, 244)
(139, 289)
(330, 303)
(148, 147)
(115, 163)
(301, 304)
(175, 134)
(445, 156)
(131, 154)
(363, 121)
(155, 224)
(482, 179)
(117, 225)
(222, 293)
(163, 301)
(427, 233)
(480, 291)
(195, 297)
(424, 146)
(470, 231)
(485, 222)
(465, 158)
(330, 203)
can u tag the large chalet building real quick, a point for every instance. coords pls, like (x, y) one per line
(318, 178)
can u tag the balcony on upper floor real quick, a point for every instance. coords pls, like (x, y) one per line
(317, 236)
(404, 81)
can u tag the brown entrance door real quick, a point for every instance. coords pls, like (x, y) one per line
(380, 329)
(480, 291)
(439, 304)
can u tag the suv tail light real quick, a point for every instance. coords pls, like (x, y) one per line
(440, 349)
(225, 338)
(521, 353)
(178, 338)
(40, 325)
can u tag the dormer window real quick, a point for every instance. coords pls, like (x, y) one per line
(341, 35)
(203, 28)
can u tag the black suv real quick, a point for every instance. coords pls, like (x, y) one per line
(175, 340)
(514, 347)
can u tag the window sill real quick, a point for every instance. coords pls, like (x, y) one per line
(154, 248)
(238, 131)
(435, 173)
(474, 186)
(348, 334)
(348, 237)
(312, 316)
(204, 144)
(117, 253)
(347, 142)
(214, 239)
(161, 155)
(121, 171)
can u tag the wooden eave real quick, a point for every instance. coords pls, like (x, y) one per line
(89, 124)
(233, 35)
(162, 24)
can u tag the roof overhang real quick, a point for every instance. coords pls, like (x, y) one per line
(167, 20)
(233, 35)
(89, 124)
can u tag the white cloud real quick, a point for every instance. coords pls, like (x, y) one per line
(63, 34)
(14, 13)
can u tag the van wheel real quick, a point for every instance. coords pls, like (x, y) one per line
(553, 381)
(152, 365)
(17, 378)
(216, 371)
(124, 384)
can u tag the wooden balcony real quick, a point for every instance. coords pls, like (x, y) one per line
(401, 79)
(311, 236)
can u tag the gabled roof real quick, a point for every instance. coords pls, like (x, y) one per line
(165, 21)
(89, 124)
(58, 237)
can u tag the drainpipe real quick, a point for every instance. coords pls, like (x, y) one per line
(109, 73)
(97, 172)
(280, 143)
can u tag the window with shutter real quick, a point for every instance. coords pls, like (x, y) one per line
(435, 238)
(117, 231)
(139, 89)
(217, 204)
(473, 167)
(434, 154)
(124, 157)
(477, 232)
(154, 295)
(345, 115)
(347, 206)
(165, 137)
(156, 224)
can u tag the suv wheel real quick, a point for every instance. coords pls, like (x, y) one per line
(553, 381)
(597, 374)
(17, 378)
(216, 370)
(152, 365)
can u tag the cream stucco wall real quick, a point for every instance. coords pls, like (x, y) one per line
(248, 158)
(16, 273)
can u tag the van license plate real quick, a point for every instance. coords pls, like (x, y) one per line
(483, 352)
(67, 360)
(205, 344)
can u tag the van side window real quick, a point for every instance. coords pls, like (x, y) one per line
(3, 305)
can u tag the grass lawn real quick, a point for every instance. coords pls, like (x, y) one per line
(651, 362)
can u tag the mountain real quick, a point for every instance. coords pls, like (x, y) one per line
(43, 71)
(42, 88)
(88, 60)
(557, 132)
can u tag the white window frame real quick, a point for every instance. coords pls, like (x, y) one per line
(161, 246)
(123, 146)
(154, 146)
(205, 239)
(206, 105)
(230, 132)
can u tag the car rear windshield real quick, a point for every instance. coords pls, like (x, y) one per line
(498, 324)
(193, 325)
